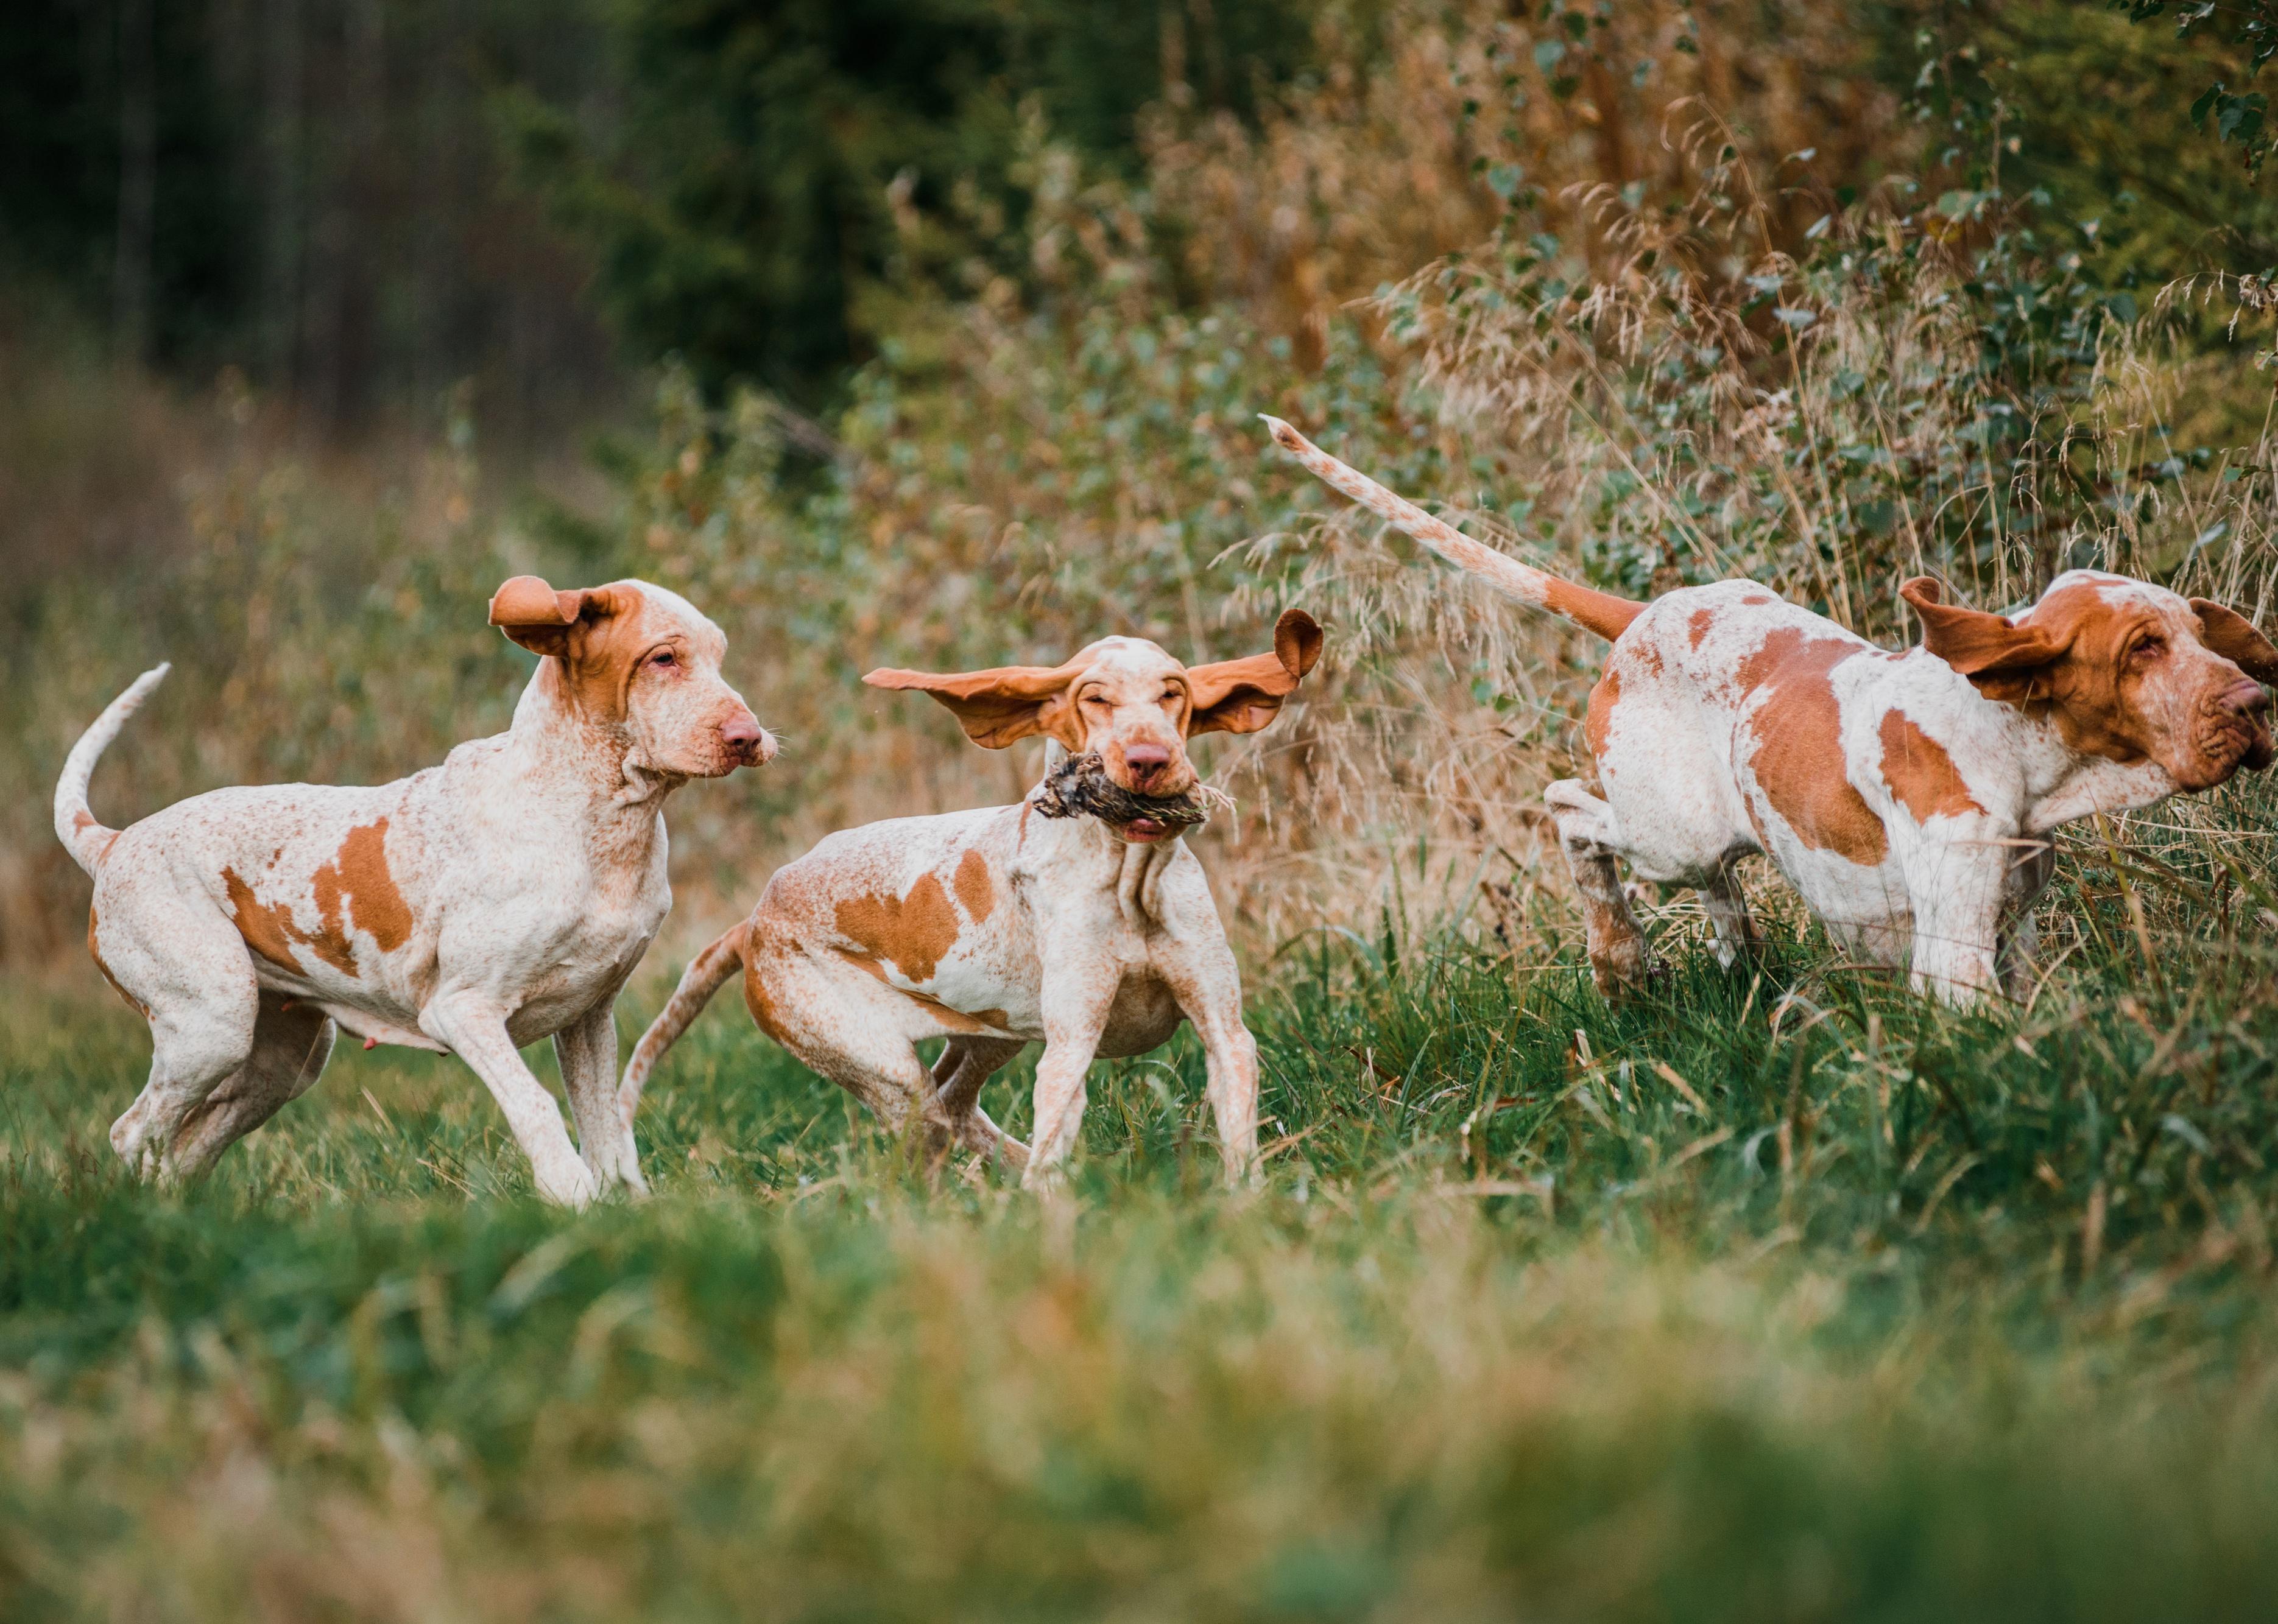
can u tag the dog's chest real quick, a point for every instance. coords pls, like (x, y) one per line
(589, 960)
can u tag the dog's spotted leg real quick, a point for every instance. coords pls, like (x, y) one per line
(587, 1051)
(1619, 957)
(291, 1044)
(1737, 936)
(1076, 998)
(1957, 888)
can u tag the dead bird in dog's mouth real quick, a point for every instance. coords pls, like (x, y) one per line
(1081, 788)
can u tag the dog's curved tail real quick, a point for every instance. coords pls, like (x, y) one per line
(1592, 610)
(75, 826)
(706, 975)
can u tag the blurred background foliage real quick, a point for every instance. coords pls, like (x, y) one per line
(934, 334)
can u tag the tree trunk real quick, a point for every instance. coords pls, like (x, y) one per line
(138, 186)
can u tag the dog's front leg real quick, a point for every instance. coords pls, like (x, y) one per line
(1956, 890)
(1076, 999)
(1195, 962)
(2029, 873)
(474, 1028)
(587, 1049)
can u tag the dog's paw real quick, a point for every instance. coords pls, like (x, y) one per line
(1619, 976)
(570, 1185)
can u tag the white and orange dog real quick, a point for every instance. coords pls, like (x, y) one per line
(500, 898)
(1907, 796)
(996, 928)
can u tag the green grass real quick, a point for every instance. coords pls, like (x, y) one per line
(1904, 1315)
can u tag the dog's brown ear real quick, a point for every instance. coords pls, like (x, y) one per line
(1000, 706)
(2232, 635)
(1242, 696)
(541, 620)
(2003, 660)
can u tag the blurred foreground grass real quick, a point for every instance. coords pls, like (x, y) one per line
(1780, 1296)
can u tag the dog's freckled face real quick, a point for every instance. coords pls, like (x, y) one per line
(2130, 671)
(644, 659)
(1127, 702)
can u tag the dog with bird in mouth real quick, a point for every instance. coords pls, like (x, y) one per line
(1077, 916)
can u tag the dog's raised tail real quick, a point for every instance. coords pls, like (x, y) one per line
(1601, 613)
(706, 973)
(75, 826)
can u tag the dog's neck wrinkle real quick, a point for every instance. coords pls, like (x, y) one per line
(589, 763)
(2090, 784)
(2062, 784)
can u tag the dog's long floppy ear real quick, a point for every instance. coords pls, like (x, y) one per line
(542, 620)
(2232, 635)
(2003, 660)
(1000, 706)
(1242, 696)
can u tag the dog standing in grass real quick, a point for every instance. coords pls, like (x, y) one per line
(500, 898)
(1077, 916)
(1907, 796)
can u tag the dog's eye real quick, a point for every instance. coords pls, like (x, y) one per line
(2144, 652)
(1170, 696)
(664, 660)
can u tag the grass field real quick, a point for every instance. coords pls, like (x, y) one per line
(1781, 1295)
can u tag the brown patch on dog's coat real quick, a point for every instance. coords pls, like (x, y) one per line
(756, 1000)
(912, 932)
(1799, 734)
(374, 903)
(357, 876)
(1920, 774)
(269, 931)
(974, 886)
(1598, 722)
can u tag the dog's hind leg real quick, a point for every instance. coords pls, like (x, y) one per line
(291, 1044)
(183, 962)
(845, 1023)
(1619, 957)
(964, 1065)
